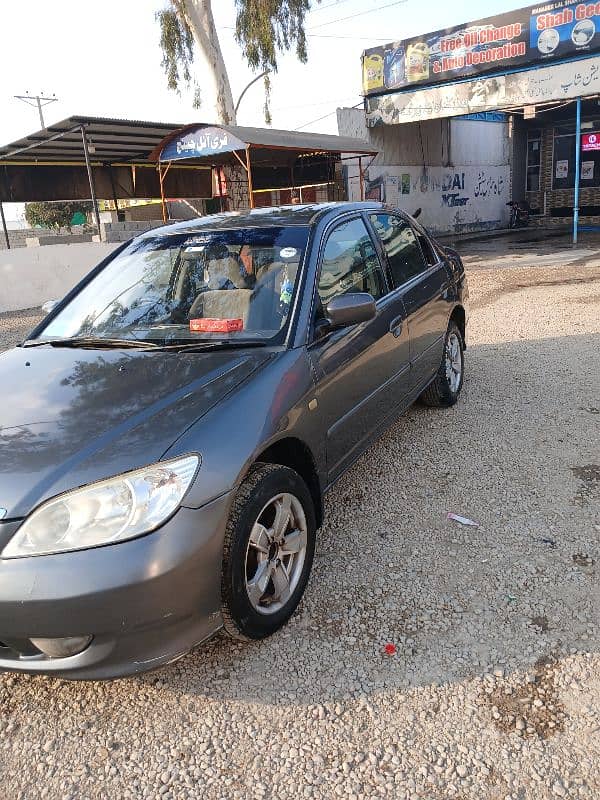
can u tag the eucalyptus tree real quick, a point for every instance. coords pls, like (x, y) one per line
(264, 29)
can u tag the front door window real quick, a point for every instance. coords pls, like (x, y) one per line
(350, 264)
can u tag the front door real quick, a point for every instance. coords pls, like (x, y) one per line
(362, 371)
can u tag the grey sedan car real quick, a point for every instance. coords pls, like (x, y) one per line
(168, 432)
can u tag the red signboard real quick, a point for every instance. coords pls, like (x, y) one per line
(590, 141)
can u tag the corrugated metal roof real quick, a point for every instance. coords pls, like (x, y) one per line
(273, 139)
(136, 141)
(112, 140)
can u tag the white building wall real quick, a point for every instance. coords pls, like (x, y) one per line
(457, 171)
(454, 199)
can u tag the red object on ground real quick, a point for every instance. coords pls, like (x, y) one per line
(210, 325)
(390, 649)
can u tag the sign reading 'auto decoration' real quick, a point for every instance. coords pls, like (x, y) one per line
(548, 32)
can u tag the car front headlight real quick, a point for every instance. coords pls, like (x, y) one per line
(109, 511)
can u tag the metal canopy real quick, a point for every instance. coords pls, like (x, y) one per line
(109, 141)
(217, 145)
(86, 157)
(214, 143)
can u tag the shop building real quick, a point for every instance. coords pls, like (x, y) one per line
(469, 118)
(544, 163)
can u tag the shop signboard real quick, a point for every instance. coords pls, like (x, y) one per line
(543, 33)
(527, 88)
(205, 140)
(590, 142)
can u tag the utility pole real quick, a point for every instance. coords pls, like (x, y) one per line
(37, 100)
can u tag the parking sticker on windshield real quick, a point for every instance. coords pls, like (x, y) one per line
(288, 252)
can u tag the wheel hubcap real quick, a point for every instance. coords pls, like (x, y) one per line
(275, 553)
(453, 362)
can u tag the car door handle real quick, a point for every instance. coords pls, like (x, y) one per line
(396, 326)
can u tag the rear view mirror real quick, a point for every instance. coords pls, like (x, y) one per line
(350, 309)
(49, 306)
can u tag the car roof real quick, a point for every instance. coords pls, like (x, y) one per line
(307, 214)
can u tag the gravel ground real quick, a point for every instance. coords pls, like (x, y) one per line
(494, 690)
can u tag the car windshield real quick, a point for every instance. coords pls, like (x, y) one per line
(231, 284)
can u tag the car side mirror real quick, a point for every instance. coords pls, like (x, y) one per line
(350, 309)
(49, 306)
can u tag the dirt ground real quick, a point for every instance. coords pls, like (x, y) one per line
(494, 690)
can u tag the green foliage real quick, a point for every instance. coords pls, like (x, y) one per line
(267, 105)
(264, 28)
(54, 215)
(176, 43)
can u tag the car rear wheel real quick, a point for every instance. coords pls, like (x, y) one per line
(268, 552)
(445, 389)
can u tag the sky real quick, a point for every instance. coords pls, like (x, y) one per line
(103, 59)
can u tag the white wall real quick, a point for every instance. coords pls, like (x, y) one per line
(456, 170)
(454, 199)
(32, 275)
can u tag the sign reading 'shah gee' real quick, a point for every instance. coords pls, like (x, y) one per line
(548, 32)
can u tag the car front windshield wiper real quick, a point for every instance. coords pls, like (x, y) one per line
(211, 344)
(92, 342)
(99, 343)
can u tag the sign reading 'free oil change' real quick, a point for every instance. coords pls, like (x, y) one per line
(541, 33)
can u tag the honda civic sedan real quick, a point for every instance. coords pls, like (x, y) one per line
(168, 432)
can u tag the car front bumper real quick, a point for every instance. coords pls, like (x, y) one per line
(144, 602)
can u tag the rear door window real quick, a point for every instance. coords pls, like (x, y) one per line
(401, 246)
(429, 253)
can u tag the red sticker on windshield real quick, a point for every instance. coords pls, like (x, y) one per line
(210, 325)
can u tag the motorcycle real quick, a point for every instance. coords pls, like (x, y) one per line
(519, 213)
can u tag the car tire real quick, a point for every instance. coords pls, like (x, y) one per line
(266, 558)
(445, 388)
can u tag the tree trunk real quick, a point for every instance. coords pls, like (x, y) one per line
(213, 79)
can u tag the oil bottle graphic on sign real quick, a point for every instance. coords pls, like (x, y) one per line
(372, 72)
(417, 62)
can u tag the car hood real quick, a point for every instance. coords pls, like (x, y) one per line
(70, 417)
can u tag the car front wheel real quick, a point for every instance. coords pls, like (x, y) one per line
(268, 551)
(445, 388)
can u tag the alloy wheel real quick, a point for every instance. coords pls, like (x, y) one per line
(453, 358)
(275, 554)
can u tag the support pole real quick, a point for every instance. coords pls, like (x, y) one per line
(4, 228)
(90, 177)
(114, 190)
(361, 178)
(249, 169)
(162, 193)
(577, 172)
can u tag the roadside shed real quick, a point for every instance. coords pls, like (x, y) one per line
(256, 166)
(82, 158)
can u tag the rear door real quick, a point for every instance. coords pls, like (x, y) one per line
(423, 281)
(362, 371)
